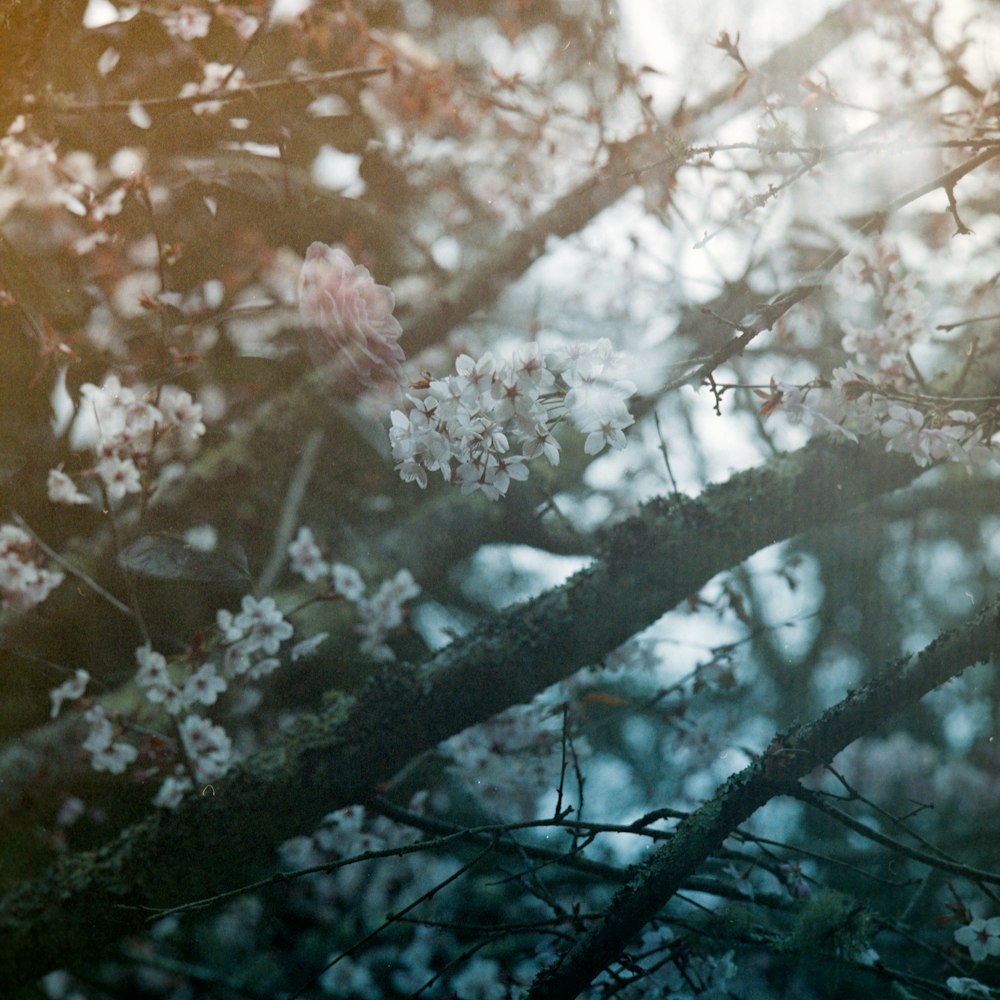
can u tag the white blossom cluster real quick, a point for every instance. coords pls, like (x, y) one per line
(107, 752)
(123, 427)
(36, 174)
(877, 392)
(374, 888)
(249, 645)
(24, 580)
(481, 426)
(249, 640)
(189, 23)
(379, 613)
(29, 171)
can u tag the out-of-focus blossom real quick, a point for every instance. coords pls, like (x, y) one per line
(306, 558)
(348, 317)
(217, 76)
(187, 23)
(62, 489)
(68, 691)
(24, 582)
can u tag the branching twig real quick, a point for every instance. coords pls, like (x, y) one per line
(769, 314)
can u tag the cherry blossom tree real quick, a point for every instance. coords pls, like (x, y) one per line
(499, 500)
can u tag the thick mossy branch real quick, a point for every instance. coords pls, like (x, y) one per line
(227, 835)
(791, 756)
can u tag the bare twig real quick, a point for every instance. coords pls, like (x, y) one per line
(71, 569)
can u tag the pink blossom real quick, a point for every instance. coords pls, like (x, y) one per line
(347, 316)
(120, 476)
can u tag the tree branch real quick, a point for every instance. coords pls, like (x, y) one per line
(226, 836)
(791, 756)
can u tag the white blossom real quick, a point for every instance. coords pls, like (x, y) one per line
(181, 411)
(208, 747)
(307, 558)
(263, 624)
(68, 691)
(347, 582)
(62, 489)
(482, 426)
(216, 76)
(24, 583)
(120, 476)
(203, 687)
(172, 790)
(981, 937)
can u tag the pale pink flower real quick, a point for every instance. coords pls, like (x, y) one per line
(348, 317)
(120, 476)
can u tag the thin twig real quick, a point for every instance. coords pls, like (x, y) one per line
(770, 313)
(248, 90)
(71, 569)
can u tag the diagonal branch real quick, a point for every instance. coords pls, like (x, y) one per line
(226, 836)
(769, 314)
(660, 152)
(791, 756)
(247, 459)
